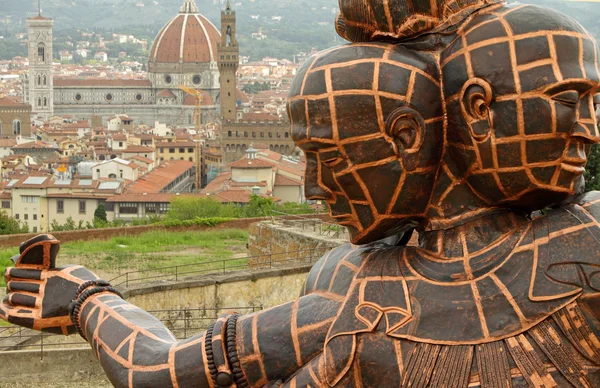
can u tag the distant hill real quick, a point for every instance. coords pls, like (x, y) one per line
(303, 25)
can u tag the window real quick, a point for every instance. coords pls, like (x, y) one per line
(270, 134)
(35, 229)
(39, 102)
(112, 176)
(162, 150)
(45, 102)
(109, 97)
(29, 199)
(39, 80)
(190, 150)
(171, 150)
(26, 217)
(168, 79)
(163, 208)
(196, 80)
(45, 80)
(121, 173)
(78, 97)
(35, 217)
(191, 159)
(262, 134)
(41, 52)
(16, 216)
(82, 206)
(138, 97)
(181, 150)
(60, 206)
(128, 208)
(120, 144)
(5, 204)
(287, 134)
(16, 127)
(253, 134)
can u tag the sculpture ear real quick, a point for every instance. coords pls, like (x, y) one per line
(476, 98)
(407, 129)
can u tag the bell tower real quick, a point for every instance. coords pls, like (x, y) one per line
(228, 60)
(41, 93)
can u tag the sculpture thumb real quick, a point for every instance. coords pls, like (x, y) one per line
(38, 253)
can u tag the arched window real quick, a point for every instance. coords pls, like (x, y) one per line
(112, 176)
(45, 102)
(228, 37)
(102, 157)
(41, 52)
(229, 133)
(39, 80)
(287, 149)
(45, 80)
(39, 102)
(287, 134)
(17, 127)
(227, 149)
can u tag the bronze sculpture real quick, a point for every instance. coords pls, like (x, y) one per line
(492, 119)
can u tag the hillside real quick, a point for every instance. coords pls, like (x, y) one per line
(303, 25)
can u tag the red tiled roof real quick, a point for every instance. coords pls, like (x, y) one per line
(260, 117)
(281, 180)
(80, 195)
(217, 183)
(141, 159)
(251, 163)
(165, 93)
(6, 101)
(101, 82)
(34, 145)
(192, 43)
(138, 149)
(7, 142)
(160, 177)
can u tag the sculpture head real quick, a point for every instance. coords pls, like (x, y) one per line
(398, 20)
(369, 119)
(521, 88)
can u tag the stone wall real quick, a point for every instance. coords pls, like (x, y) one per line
(292, 241)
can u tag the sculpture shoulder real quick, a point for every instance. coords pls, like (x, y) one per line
(336, 270)
(590, 202)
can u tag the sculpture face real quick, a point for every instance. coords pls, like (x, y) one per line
(521, 86)
(370, 120)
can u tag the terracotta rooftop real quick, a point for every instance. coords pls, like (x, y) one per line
(281, 180)
(38, 144)
(159, 178)
(194, 42)
(6, 101)
(251, 163)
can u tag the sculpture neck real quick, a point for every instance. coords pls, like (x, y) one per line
(474, 235)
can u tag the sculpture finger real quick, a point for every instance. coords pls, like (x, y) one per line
(15, 285)
(17, 299)
(20, 273)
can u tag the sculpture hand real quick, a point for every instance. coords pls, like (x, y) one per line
(38, 293)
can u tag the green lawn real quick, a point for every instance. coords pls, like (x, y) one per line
(149, 251)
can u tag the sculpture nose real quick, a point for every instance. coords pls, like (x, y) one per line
(313, 190)
(588, 133)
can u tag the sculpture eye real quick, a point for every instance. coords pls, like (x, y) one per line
(569, 98)
(331, 158)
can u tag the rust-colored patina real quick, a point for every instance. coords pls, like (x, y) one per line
(469, 122)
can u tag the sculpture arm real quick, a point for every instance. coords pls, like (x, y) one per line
(136, 349)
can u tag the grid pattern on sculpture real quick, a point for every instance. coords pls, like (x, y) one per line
(337, 138)
(523, 92)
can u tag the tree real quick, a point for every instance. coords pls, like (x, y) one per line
(9, 225)
(592, 174)
(100, 213)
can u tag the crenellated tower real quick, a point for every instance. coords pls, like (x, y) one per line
(228, 60)
(40, 85)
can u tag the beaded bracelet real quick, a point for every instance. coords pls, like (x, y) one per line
(212, 368)
(89, 283)
(75, 306)
(232, 354)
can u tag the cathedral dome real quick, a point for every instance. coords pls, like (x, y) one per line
(188, 38)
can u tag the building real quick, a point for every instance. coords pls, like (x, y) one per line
(38, 85)
(40, 201)
(128, 207)
(260, 172)
(229, 62)
(176, 176)
(185, 52)
(15, 119)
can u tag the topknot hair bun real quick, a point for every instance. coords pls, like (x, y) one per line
(399, 20)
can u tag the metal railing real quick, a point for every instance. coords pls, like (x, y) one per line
(219, 267)
(307, 222)
(183, 323)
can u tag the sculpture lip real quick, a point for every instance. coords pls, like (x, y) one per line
(576, 166)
